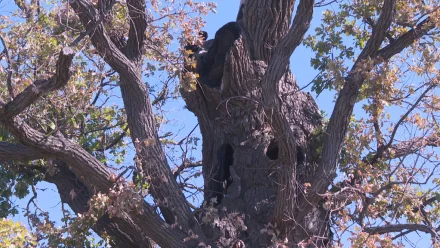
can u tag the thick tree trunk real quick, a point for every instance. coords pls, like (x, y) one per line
(262, 170)
(240, 144)
(261, 135)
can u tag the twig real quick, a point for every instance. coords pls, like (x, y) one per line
(383, 148)
(115, 141)
(9, 70)
(186, 165)
(180, 142)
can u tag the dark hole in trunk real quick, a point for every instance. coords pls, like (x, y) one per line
(272, 150)
(222, 177)
(300, 155)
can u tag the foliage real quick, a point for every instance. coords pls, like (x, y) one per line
(13, 184)
(399, 118)
(14, 234)
(88, 110)
(388, 164)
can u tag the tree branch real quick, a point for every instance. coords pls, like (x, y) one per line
(385, 147)
(115, 141)
(186, 165)
(18, 152)
(138, 25)
(93, 173)
(73, 192)
(9, 73)
(281, 56)
(90, 18)
(406, 39)
(340, 118)
(288, 143)
(404, 148)
(97, 178)
(24, 7)
(401, 227)
(140, 117)
(266, 22)
(40, 87)
(379, 32)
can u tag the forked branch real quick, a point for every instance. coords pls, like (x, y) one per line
(340, 118)
(40, 87)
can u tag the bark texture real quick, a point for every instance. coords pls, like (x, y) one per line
(274, 130)
(67, 182)
(268, 125)
(263, 178)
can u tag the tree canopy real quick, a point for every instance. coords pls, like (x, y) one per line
(85, 89)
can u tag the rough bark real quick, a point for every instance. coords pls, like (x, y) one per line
(95, 175)
(73, 192)
(255, 111)
(67, 182)
(18, 152)
(263, 179)
(269, 124)
(137, 104)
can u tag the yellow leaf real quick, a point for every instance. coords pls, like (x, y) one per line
(149, 142)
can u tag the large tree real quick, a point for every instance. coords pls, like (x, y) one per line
(276, 173)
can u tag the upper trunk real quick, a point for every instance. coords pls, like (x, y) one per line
(241, 150)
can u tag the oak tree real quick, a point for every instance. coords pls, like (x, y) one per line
(276, 171)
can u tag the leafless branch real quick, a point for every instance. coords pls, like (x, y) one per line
(116, 140)
(9, 73)
(402, 227)
(182, 140)
(322, 3)
(184, 166)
